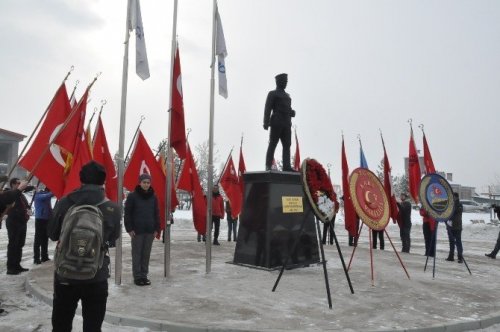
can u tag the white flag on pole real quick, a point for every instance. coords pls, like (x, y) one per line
(221, 51)
(135, 23)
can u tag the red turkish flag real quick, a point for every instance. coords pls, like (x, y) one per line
(177, 130)
(389, 190)
(143, 161)
(190, 182)
(229, 182)
(350, 217)
(48, 164)
(296, 158)
(71, 135)
(429, 164)
(413, 170)
(241, 170)
(102, 155)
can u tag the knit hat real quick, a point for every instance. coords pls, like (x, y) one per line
(93, 173)
(144, 176)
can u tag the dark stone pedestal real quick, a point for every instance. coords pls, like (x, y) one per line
(274, 207)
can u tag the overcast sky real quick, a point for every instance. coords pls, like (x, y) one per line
(355, 67)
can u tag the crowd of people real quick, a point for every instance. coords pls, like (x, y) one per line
(142, 223)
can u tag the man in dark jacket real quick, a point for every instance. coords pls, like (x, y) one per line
(278, 115)
(9, 197)
(43, 212)
(94, 292)
(17, 224)
(454, 229)
(405, 218)
(494, 253)
(142, 222)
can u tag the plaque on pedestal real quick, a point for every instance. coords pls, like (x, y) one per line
(274, 207)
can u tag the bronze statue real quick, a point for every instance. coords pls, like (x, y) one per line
(278, 115)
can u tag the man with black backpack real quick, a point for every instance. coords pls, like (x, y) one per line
(85, 224)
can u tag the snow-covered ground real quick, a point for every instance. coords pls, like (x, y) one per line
(235, 297)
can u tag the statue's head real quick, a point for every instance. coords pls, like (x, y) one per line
(281, 80)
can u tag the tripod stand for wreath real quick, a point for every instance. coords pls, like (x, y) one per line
(371, 204)
(322, 199)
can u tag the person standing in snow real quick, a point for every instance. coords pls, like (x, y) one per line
(142, 222)
(454, 229)
(494, 253)
(405, 218)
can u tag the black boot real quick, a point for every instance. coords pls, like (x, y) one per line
(490, 255)
(450, 258)
(460, 259)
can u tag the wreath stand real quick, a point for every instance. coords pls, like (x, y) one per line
(371, 252)
(433, 245)
(323, 260)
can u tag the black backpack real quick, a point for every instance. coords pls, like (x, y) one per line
(80, 250)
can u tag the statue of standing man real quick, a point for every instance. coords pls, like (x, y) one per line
(278, 115)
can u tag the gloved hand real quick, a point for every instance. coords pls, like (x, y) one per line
(266, 126)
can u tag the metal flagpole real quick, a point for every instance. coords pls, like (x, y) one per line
(103, 102)
(121, 145)
(210, 166)
(133, 139)
(225, 165)
(168, 177)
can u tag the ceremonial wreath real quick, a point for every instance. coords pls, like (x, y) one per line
(319, 190)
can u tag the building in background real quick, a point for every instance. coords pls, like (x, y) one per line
(9, 150)
(465, 192)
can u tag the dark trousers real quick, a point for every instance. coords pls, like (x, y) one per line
(17, 236)
(328, 231)
(141, 252)
(283, 134)
(232, 228)
(428, 238)
(455, 239)
(404, 232)
(41, 242)
(216, 226)
(497, 246)
(380, 235)
(66, 297)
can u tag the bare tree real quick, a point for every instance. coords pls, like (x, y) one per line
(201, 161)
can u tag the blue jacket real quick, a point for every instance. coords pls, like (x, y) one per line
(43, 205)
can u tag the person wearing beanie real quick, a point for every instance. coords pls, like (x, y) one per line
(278, 115)
(93, 293)
(142, 222)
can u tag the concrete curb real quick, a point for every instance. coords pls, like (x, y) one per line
(128, 320)
(162, 325)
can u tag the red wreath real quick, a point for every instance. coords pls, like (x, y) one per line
(318, 181)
